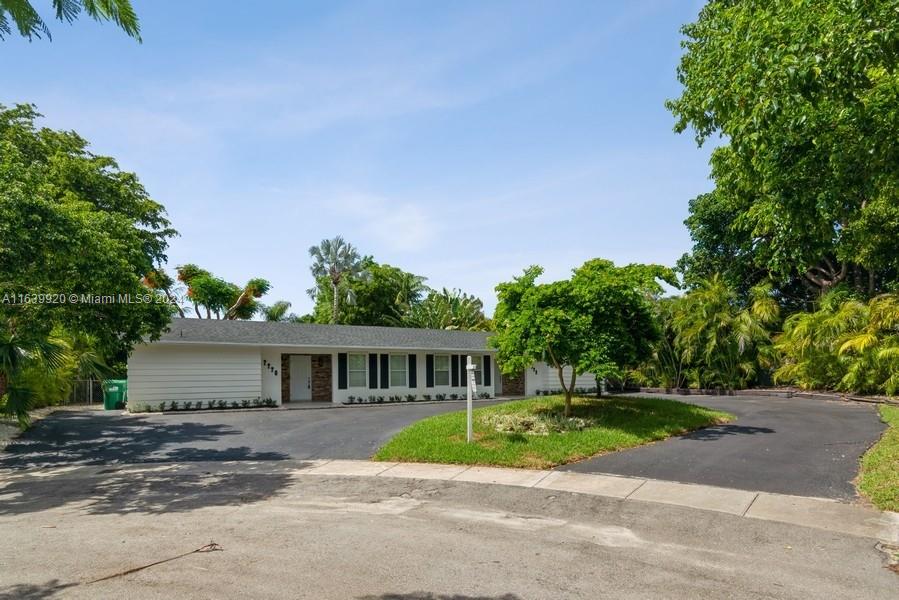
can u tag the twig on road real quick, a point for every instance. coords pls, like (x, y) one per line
(210, 547)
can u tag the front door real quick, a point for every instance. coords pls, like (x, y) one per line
(301, 377)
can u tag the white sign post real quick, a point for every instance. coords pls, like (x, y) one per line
(472, 390)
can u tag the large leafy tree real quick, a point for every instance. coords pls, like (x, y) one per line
(382, 297)
(73, 224)
(805, 94)
(21, 16)
(600, 321)
(340, 263)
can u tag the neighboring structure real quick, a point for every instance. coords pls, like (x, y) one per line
(202, 360)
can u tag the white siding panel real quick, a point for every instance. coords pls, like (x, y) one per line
(166, 373)
(542, 377)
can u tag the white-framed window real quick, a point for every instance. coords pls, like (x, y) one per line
(441, 369)
(357, 369)
(398, 370)
(478, 362)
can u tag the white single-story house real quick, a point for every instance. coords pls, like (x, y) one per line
(201, 360)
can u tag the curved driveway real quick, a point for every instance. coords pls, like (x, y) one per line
(789, 446)
(794, 446)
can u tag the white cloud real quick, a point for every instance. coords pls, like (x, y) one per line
(395, 225)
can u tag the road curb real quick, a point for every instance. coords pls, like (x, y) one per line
(817, 513)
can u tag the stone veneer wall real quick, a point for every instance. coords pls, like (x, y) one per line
(321, 378)
(513, 385)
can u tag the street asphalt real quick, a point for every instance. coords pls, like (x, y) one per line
(789, 446)
(68, 535)
(796, 446)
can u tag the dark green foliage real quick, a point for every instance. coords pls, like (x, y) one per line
(21, 16)
(806, 96)
(73, 223)
(600, 321)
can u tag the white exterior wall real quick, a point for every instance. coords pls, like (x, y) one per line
(544, 377)
(421, 389)
(169, 372)
(271, 374)
(161, 372)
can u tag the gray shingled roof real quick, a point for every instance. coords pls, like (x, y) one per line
(326, 336)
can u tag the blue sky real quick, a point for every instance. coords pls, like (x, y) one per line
(462, 141)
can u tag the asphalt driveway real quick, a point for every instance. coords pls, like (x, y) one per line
(793, 446)
(789, 446)
(98, 437)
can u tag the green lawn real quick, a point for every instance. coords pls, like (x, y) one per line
(879, 477)
(605, 425)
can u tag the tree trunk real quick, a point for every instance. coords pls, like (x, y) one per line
(171, 300)
(567, 389)
(197, 310)
(826, 276)
(335, 301)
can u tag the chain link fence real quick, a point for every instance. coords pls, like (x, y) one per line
(85, 392)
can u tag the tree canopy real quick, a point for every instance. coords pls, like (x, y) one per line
(599, 321)
(72, 223)
(805, 94)
(380, 298)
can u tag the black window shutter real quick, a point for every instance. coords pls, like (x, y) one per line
(429, 370)
(373, 371)
(454, 370)
(341, 371)
(488, 371)
(463, 372)
(385, 371)
(413, 371)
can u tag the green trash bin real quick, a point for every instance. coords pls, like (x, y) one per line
(115, 393)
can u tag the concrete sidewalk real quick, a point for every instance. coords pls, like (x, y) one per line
(818, 513)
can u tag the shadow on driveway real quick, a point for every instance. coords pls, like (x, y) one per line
(717, 432)
(94, 438)
(152, 490)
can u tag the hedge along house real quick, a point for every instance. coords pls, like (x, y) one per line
(203, 360)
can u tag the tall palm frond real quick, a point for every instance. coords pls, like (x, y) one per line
(276, 312)
(339, 262)
(30, 25)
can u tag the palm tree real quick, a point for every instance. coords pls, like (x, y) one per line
(810, 342)
(871, 350)
(726, 342)
(30, 24)
(448, 310)
(19, 352)
(339, 262)
(276, 311)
